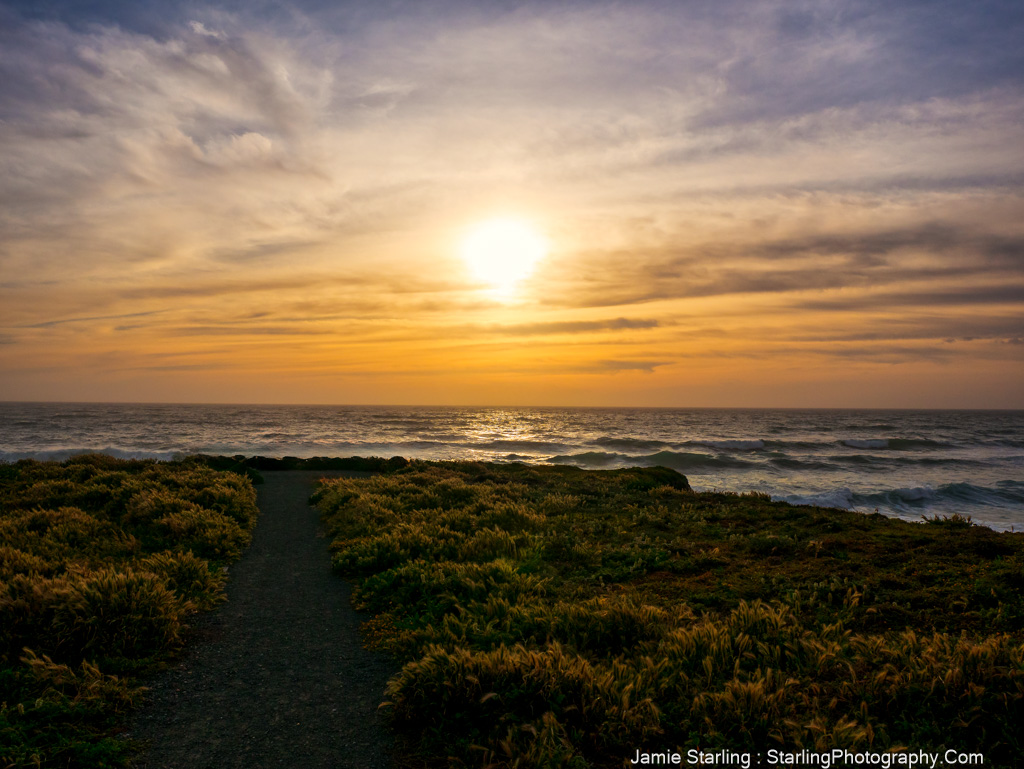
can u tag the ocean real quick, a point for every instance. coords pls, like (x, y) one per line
(901, 463)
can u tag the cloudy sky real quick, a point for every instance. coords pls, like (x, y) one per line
(756, 203)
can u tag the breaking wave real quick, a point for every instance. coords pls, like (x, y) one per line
(59, 455)
(916, 498)
(894, 444)
(733, 445)
(671, 459)
(629, 444)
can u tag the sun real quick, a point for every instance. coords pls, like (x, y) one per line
(502, 252)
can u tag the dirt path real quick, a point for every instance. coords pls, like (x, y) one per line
(276, 677)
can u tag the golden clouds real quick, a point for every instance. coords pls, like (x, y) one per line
(244, 209)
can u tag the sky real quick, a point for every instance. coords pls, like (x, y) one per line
(766, 203)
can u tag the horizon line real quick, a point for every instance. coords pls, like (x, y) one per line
(505, 406)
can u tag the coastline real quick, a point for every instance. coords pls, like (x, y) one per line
(906, 464)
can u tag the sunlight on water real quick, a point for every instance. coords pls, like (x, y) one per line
(904, 463)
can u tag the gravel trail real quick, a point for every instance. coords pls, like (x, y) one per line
(275, 677)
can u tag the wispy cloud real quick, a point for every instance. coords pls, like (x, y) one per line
(573, 327)
(62, 321)
(722, 178)
(646, 366)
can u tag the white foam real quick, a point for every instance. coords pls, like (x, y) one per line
(916, 494)
(842, 498)
(59, 455)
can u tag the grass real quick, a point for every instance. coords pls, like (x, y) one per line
(101, 562)
(549, 616)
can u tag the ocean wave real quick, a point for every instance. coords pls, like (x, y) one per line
(894, 444)
(1003, 442)
(876, 443)
(628, 444)
(908, 499)
(872, 461)
(907, 444)
(841, 498)
(791, 463)
(693, 461)
(860, 460)
(587, 459)
(671, 459)
(730, 445)
(788, 445)
(59, 455)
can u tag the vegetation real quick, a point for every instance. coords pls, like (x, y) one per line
(549, 616)
(101, 560)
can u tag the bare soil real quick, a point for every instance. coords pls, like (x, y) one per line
(277, 676)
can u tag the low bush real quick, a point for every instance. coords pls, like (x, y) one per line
(559, 617)
(101, 562)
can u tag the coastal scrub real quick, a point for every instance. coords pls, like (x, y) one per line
(549, 616)
(101, 561)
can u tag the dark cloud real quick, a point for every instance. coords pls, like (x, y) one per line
(950, 328)
(931, 255)
(871, 249)
(1005, 294)
(174, 290)
(573, 327)
(63, 321)
(178, 367)
(881, 352)
(893, 354)
(611, 366)
(809, 58)
(257, 252)
(244, 330)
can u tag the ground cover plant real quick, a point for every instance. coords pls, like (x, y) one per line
(550, 616)
(101, 561)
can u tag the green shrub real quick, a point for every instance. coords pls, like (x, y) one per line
(116, 614)
(559, 617)
(189, 577)
(100, 560)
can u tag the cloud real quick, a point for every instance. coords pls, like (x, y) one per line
(248, 330)
(201, 29)
(62, 321)
(885, 353)
(613, 366)
(573, 327)
(845, 172)
(949, 327)
(941, 260)
(987, 296)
